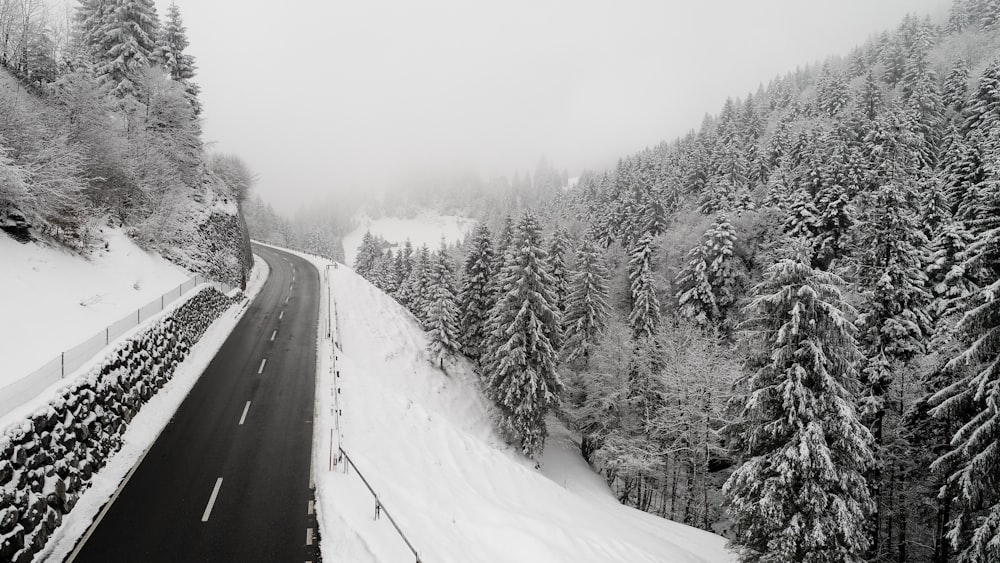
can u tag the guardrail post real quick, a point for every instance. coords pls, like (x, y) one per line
(62, 364)
(107, 335)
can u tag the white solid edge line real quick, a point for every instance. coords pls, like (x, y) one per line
(261, 368)
(273, 334)
(244, 416)
(211, 500)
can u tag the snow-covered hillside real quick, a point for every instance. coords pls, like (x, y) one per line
(427, 228)
(424, 440)
(53, 299)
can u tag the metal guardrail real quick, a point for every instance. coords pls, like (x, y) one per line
(30, 386)
(379, 505)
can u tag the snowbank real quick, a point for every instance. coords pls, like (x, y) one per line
(427, 228)
(52, 300)
(424, 441)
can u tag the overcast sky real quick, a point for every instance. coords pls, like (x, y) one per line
(320, 96)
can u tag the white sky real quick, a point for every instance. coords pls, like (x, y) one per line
(327, 95)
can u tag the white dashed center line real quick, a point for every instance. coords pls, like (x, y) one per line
(273, 334)
(309, 509)
(260, 370)
(211, 500)
(244, 416)
(281, 314)
(309, 536)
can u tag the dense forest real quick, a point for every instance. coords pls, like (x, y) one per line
(783, 327)
(99, 125)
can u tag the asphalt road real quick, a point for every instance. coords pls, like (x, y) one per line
(228, 480)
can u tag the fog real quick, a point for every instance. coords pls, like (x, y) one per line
(322, 97)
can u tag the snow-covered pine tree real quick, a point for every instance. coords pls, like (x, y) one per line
(120, 36)
(385, 272)
(169, 53)
(587, 303)
(421, 274)
(800, 494)
(557, 266)
(504, 240)
(475, 298)
(949, 283)
(645, 315)
(398, 277)
(973, 463)
(709, 282)
(892, 260)
(442, 308)
(520, 370)
(368, 253)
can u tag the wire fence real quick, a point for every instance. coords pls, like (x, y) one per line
(30, 386)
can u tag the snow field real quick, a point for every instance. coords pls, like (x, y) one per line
(52, 300)
(147, 425)
(427, 228)
(425, 442)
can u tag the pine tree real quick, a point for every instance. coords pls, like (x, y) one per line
(520, 374)
(895, 324)
(442, 308)
(956, 86)
(587, 303)
(709, 282)
(384, 273)
(645, 315)
(947, 279)
(973, 462)
(421, 275)
(475, 299)
(557, 264)
(121, 36)
(800, 494)
(368, 254)
(169, 53)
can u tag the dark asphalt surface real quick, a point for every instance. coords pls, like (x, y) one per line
(261, 510)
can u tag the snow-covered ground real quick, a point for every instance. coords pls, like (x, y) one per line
(427, 228)
(424, 441)
(147, 425)
(51, 300)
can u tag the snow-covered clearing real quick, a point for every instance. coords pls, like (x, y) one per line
(424, 441)
(427, 228)
(147, 425)
(52, 300)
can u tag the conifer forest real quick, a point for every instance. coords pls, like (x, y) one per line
(783, 327)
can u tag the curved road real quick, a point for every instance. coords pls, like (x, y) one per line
(228, 479)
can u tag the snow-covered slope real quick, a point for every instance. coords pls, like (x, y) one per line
(427, 228)
(424, 440)
(52, 299)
